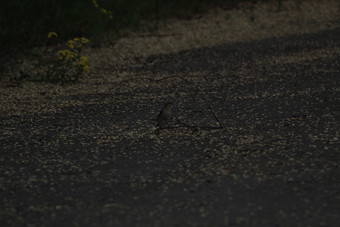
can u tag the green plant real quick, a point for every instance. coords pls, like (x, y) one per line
(65, 66)
(24, 23)
(104, 11)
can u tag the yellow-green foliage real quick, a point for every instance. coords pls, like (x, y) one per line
(104, 11)
(23, 24)
(72, 54)
(65, 65)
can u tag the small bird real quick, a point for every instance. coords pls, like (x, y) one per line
(164, 115)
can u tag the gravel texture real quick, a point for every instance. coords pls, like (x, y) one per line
(254, 140)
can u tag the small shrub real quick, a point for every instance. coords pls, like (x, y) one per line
(62, 66)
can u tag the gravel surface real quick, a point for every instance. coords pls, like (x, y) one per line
(254, 138)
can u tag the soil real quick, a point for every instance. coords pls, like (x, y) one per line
(253, 141)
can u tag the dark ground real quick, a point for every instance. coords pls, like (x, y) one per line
(254, 142)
